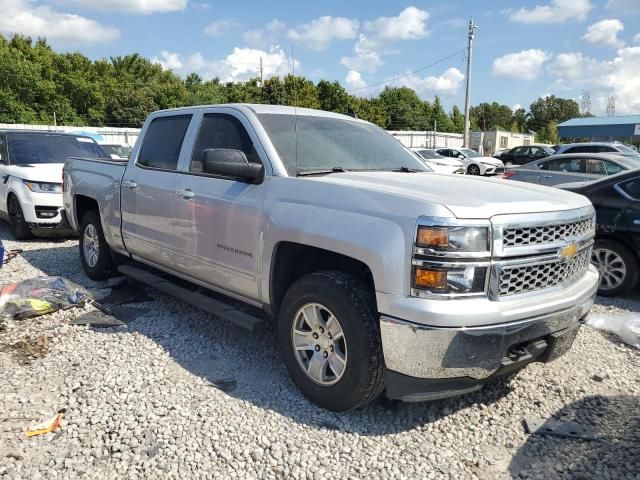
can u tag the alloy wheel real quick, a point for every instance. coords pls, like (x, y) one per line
(611, 266)
(319, 344)
(90, 245)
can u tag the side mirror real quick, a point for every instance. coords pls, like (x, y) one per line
(461, 157)
(229, 162)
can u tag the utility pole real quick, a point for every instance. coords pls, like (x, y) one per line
(55, 120)
(467, 100)
(261, 80)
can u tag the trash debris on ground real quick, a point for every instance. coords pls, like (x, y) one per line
(7, 256)
(225, 384)
(626, 326)
(27, 349)
(38, 296)
(97, 319)
(124, 293)
(541, 426)
(50, 425)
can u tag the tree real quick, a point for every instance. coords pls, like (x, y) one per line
(404, 108)
(492, 116)
(457, 119)
(551, 109)
(332, 97)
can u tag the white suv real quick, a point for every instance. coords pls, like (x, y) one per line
(31, 178)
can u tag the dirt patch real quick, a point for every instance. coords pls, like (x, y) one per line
(27, 350)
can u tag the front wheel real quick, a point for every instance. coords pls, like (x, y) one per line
(330, 340)
(473, 169)
(95, 254)
(19, 227)
(617, 265)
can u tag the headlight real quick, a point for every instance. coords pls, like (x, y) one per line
(40, 187)
(450, 261)
(453, 239)
(441, 279)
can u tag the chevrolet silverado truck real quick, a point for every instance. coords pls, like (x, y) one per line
(381, 276)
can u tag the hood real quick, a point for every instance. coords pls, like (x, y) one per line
(39, 172)
(496, 162)
(465, 196)
(452, 162)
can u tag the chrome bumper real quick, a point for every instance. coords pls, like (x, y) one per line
(424, 351)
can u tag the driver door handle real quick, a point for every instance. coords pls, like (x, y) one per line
(129, 184)
(186, 194)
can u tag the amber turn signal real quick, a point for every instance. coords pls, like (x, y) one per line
(431, 279)
(433, 237)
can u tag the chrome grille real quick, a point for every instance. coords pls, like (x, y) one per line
(526, 278)
(539, 235)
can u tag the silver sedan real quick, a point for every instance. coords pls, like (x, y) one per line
(576, 167)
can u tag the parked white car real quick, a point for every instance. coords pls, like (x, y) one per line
(437, 162)
(475, 163)
(31, 178)
(117, 151)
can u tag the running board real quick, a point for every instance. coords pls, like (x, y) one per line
(200, 300)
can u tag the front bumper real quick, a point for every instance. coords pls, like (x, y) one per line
(428, 361)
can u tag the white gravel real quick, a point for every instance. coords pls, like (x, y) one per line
(141, 402)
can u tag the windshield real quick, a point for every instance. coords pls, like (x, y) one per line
(470, 153)
(324, 143)
(430, 154)
(626, 150)
(29, 148)
(122, 151)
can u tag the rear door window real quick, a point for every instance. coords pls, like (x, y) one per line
(570, 165)
(632, 188)
(163, 142)
(612, 168)
(219, 130)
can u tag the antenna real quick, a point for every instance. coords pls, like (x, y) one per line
(295, 105)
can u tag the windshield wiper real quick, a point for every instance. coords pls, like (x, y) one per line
(303, 173)
(405, 170)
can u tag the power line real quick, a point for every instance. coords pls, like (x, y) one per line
(410, 73)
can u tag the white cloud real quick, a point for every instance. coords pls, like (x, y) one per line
(516, 107)
(446, 84)
(626, 7)
(557, 11)
(354, 79)
(366, 57)
(264, 37)
(240, 65)
(22, 16)
(605, 32)
(320, 32)
(636, 38)
(131, 6)
(523, 65)
(619, 77)
(411, 23)
(218, 28)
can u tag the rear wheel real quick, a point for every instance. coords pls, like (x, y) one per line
(473, 169)
(618, 267)
(19, 227)
(329, 337)
(95, 254)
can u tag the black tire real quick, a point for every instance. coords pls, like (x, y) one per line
(473, 169)
(354, 305)
(19, 227)
(103, 267)
(625, 258)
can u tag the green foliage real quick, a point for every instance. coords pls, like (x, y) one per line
(121, 91)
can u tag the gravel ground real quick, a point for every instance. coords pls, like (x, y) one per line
(177, 394)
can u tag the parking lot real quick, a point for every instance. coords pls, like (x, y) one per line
(176, 393)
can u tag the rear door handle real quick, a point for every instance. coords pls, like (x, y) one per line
(129, 184)
(186, 194)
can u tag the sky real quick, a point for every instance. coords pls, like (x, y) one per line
(522, 49)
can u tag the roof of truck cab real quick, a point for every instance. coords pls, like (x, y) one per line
(258, 109)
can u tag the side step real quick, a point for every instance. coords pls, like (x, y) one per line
(200, 300)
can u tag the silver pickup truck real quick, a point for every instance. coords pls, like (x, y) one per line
(381, 276)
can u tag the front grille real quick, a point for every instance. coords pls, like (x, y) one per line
(527, 278)
(499, 170)
(525, 236)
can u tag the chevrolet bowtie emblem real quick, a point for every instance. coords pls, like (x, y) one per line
(569, 251)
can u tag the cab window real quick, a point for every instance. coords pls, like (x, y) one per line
(163, 142)
(219, 130)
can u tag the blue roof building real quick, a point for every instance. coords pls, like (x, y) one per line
(602, 128)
